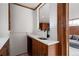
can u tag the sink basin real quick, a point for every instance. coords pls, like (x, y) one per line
(43, 38)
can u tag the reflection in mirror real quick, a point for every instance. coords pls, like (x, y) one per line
(48, 19)
(48, 16)
(44, 17)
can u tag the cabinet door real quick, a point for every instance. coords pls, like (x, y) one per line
(5, 50)
(38, 48)
(29, 45)
(42, 49)
(1, 53)
(34, 47)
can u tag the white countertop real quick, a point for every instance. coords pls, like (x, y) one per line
(49, 41)
(3, 40)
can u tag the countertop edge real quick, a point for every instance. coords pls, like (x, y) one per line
(1, 46)
(54, 42)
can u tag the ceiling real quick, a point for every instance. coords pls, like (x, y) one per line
(30, 5)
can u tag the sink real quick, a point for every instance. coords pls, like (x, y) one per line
(43, 38)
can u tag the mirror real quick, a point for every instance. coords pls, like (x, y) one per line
(44, 17)
(48, 18)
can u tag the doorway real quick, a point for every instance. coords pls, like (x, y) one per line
(73, 29)
(68, 29)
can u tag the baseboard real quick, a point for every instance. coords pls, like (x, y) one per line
(22, 54)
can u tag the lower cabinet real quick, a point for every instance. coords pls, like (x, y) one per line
(29, 45)
(40, 49)
(5, 49)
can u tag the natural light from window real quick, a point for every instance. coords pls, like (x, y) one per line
(74, 22)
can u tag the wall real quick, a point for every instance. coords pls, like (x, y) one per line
(3, 18)
(21, 23)
(44, 13)
(23, 19)
(73, 10)
(53, 21)
(35, 21)
(36, 16)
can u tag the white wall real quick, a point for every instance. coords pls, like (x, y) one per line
(35, 21)
(21, 22)
(53, 15)
(18, 43)
(73, 10)
(44, 12)
(23, 17)
(3, 18)
(53, 21)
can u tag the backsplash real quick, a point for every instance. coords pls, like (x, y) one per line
(52, 33)
(40, 33)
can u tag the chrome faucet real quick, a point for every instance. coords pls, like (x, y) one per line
(48, 33)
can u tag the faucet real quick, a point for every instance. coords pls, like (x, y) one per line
(48, 33)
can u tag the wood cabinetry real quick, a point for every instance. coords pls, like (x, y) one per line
(29, 45)
(5, 49)
(40, 49)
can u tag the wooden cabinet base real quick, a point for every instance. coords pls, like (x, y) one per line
(52, 50)
(40, 49)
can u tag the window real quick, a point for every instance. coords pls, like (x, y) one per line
(74, 22)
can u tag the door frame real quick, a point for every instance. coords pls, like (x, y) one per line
(63, 28)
